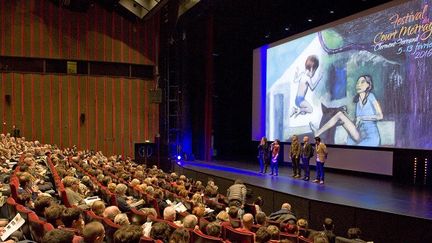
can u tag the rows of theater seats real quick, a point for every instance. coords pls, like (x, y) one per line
(35, 227)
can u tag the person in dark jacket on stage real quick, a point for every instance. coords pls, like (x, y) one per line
(263, 154)
(307, 152)
(295, 156)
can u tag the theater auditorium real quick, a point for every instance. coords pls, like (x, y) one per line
(215, 121)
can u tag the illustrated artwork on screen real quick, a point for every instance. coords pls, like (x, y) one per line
(366, 82)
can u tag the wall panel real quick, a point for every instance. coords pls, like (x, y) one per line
(82, 142)
(48, 107)
(117, 116)
(45, 107)
(27, 105)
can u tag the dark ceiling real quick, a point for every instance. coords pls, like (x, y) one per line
(263, 21)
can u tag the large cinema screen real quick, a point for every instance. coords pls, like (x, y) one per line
(363, 82)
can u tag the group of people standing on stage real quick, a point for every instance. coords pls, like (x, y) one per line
(268, 155)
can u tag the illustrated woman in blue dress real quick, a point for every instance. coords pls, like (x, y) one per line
(364, 130)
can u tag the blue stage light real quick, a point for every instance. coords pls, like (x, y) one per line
(178, 157)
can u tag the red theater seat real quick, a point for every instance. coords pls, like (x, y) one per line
(110, 229)
(24, 212)
(36, 227)
(304, 240)
(146, 240)
(198, 237)
(91, 216)
(11, 207)
(14, 185)
(48, 227)
(236, 236)
(290, 237)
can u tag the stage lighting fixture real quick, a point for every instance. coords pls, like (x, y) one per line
(179, 157)
(309, 20)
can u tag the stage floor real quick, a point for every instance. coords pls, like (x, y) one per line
(356, 191)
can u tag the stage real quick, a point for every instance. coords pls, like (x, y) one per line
(348, 190)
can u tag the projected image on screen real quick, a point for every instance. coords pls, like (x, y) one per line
(367, 82)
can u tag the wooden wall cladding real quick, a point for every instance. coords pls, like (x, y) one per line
(50, 107)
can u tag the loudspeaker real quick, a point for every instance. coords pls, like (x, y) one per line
(145, 153)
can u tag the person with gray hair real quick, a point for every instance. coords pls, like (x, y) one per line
(169, 214)
(121, 219)
(111, 211)
(190, 221)
(284, 215)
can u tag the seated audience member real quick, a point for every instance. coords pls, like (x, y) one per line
(233, 213)
(25, 199)
(222, 217)
(319, 237)
(58, 236)
(128, 234)
(169, 214)
(213, 229)
(160, 231)
(274, 232)
(73, 221)
(258, 203)
(122, 200)
(211, 193)
(111, 211)
(291, 229)
(236, 193)
(303, 228)
(98, 208)
(190, 221)
(93, 232)
(41, 203)
(197, 199)
(354, 234)
(53, 215)
(71, 187)
(106, 181)
(328, 229)
(179, 235)
(261, 219)
(199, 211)
(284, 215)
(121, 219)
(111, 187)
(262, 235)
(160, 199)
(26, 185)
(247, 222)
(151, 212)
(86, 187)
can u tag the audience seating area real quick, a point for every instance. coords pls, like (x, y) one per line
(48, 185)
